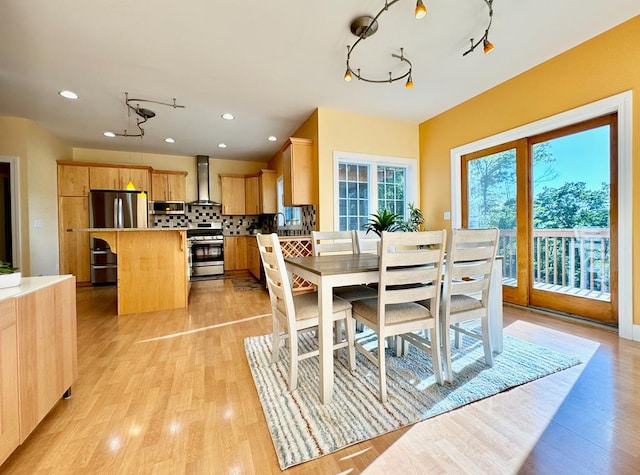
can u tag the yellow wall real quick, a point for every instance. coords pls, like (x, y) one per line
(37, 151)
(601, 67)
(175, 163)
(349, 132)
(334, 130)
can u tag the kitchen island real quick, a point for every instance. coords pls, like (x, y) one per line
(153, 271)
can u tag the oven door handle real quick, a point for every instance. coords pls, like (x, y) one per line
(212, 241)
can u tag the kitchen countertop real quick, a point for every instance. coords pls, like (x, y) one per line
(31, 284)
(102, 230)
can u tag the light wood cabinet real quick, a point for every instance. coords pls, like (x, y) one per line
(73, 213)
(168, 186)
(268, 192)
(47, 350)
(138, 176)
(252, 194)
(77, 180)
(104, 178)
(38, 355)
(235, 253)
(259, 193)
(73, 180)
(254, 264)
(233, 194)
(9, 416)
(297, 155)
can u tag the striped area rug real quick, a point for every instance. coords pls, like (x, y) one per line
(303, 429)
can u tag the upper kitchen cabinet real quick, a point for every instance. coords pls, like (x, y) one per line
(268, 191)
(252, 194)
(138, 176)
(233, 194)
(168, 185)
(73, 180)
(104, 178)
(117, 178)
(260, 193)
(297, 172)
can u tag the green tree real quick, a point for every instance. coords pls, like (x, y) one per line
(571, 205)
(492, 186)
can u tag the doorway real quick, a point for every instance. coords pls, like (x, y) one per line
(554, 198)
(9, 217)
(6, 238)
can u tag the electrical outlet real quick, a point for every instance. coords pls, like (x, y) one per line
(447, 215)
(37, 223)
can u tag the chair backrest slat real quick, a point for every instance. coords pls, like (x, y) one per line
(333, 242)
(367, 242)
(411, 267)
(470, 260)
(277, 278)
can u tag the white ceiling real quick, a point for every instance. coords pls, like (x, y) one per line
(269, 63)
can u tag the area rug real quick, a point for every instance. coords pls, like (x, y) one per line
(240, 284)
(303, 429)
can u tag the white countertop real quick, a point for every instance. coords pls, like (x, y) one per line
(31, 284)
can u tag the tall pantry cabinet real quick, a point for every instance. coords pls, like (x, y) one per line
(73, 213)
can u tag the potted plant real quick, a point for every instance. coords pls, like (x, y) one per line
(9, 276)
(383, 220)
(415, 221)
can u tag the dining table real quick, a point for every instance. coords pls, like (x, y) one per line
(330, 271)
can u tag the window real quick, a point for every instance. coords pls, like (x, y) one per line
(292, 216)
(367, 183)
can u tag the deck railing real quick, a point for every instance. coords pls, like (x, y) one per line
(563, 258)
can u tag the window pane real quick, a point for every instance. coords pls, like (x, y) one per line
(391, 189)
(353, 189)
(342, 172)
(353, 173)
(363, 172)
(492, 203)
(571, 220)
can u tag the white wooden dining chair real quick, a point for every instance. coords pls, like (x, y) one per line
(410, 272)
(340, 242)
(465, 294)
(367, 242)
(297, 314)
(333, 242)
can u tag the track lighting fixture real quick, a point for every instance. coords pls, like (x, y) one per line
(487, 46)
(365, 26)
(142, 113)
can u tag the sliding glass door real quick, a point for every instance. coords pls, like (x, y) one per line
(553, 197)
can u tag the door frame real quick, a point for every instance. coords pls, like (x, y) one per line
(622, 105)
(14, 183)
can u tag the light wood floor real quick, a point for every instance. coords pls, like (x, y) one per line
(171, 392)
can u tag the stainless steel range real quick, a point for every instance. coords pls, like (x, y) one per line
(206, 245)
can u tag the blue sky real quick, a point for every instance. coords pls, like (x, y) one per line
(580, 157)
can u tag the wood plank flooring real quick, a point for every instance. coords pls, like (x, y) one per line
(171, 392)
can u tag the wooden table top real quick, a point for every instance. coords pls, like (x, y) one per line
(338, 264)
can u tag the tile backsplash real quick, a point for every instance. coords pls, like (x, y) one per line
(233, 225)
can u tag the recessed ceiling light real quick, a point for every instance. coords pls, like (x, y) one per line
(228, 116)
(170, 140)
(109, 134)
(272, 138)
(222, 145)
(68, 94)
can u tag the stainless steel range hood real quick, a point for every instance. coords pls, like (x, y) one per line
(204, 198)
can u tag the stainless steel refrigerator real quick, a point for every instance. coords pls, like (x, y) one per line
(110, 209)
